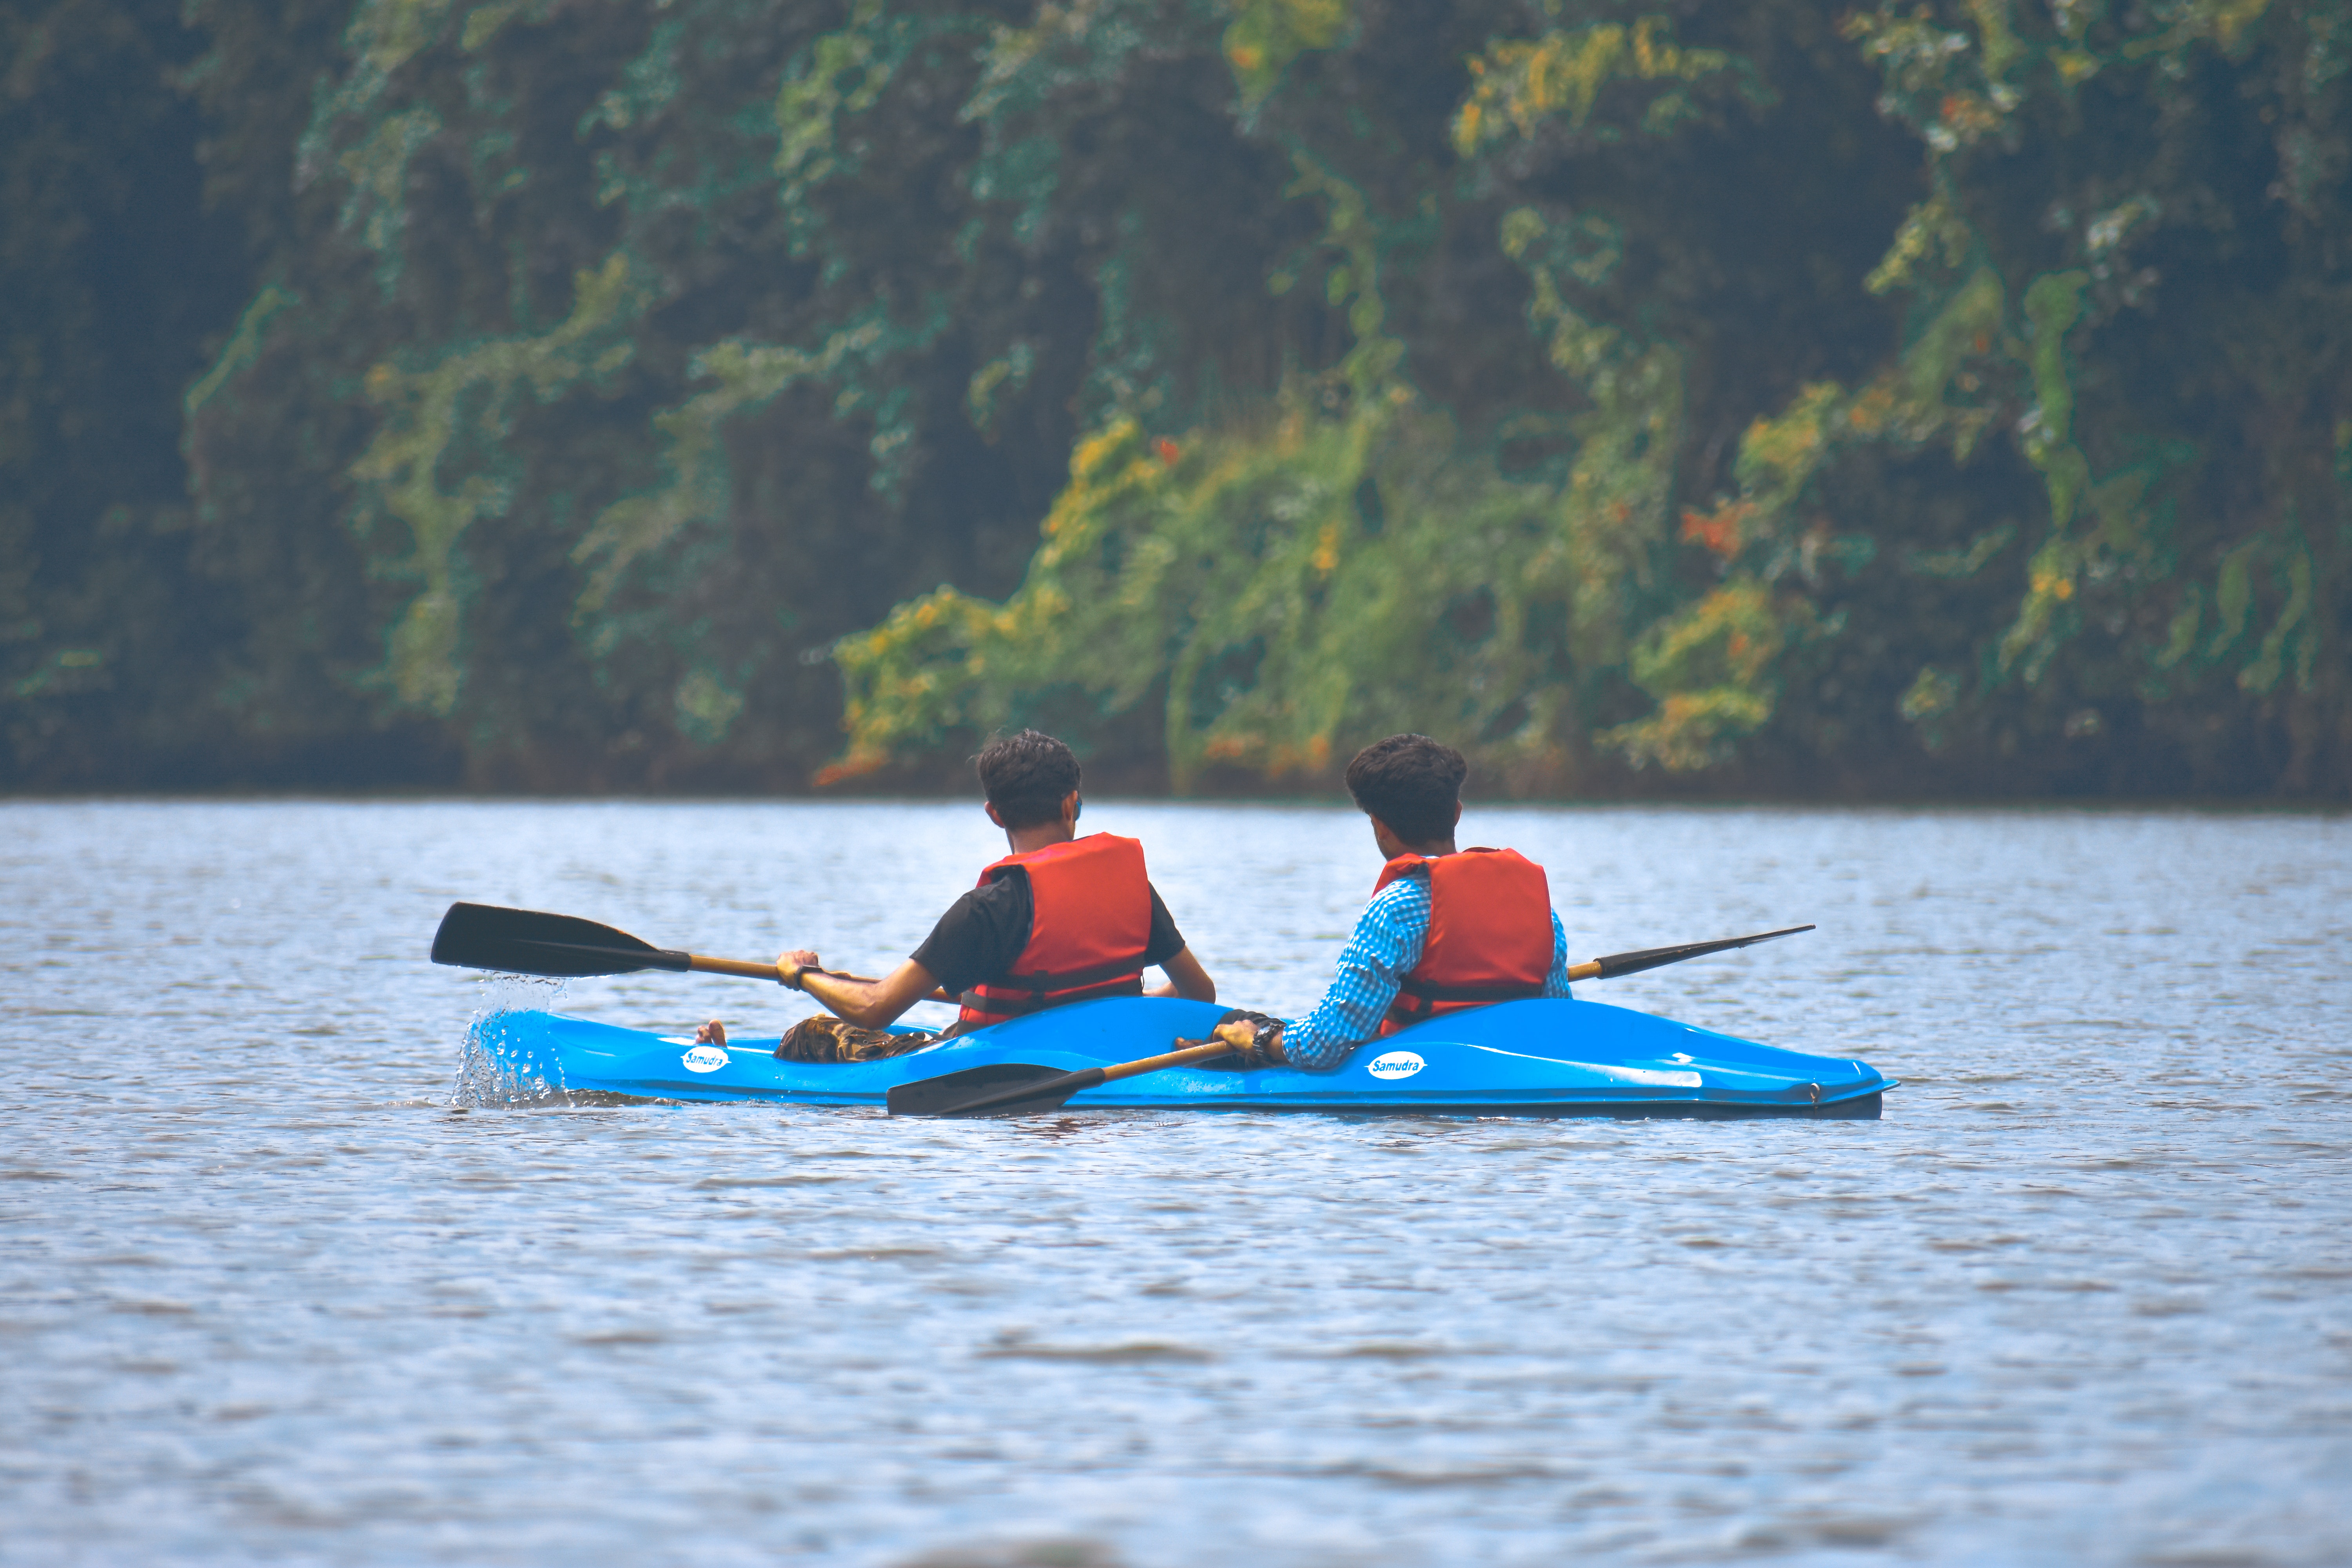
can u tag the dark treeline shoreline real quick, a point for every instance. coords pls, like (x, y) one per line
(1770, 401)
(1334, 799)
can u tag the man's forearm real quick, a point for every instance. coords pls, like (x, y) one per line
(870, 1004)
(1186, 978)
(861, 1001)
(842, 996)
(1349, 1015)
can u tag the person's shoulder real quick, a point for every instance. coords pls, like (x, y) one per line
(1006, 888)
(1401, 897)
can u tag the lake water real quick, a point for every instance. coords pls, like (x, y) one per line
(2083, 1295)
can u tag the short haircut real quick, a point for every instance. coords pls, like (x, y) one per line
(1412, 783)
(1026, 776)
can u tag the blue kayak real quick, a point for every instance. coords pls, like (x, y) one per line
(1514, 1059)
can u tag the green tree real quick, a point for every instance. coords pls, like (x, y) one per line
(1649, 396)
(114, 274)
(643, 356)
(2076, 524)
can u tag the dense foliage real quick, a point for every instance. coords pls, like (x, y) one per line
(1947, 397)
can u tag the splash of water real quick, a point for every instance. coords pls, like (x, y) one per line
(494, 1066)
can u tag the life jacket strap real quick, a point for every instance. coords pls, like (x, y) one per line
(995, 1003)
(1045, 984)
(1424, 1000)
(1426, 991)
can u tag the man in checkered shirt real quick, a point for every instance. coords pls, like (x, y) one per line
(1410, 787)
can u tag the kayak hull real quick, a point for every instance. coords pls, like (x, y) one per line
(1543, 1057)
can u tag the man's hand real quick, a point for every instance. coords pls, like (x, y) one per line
(1256, 1037)
(714, 1032)
(790, 965)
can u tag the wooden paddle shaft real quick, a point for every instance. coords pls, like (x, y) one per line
(775, 971)
(749, 971)
(1057, 1090)
(1184, 1058)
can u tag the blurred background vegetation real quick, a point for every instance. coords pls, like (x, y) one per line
(1830, 401)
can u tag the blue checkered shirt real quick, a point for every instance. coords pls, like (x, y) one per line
(1387, 945)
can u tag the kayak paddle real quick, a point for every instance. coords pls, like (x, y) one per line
(524, 942)
(1018, 1088)
(1618, 964)
(1023, 1089)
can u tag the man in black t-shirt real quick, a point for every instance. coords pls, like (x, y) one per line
(1032, 786)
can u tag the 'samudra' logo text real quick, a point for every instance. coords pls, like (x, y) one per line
(704, 1058)
(1396, 1064)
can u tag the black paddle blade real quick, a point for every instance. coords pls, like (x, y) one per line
(524, 942)
(1618, 964)
(975, 1092)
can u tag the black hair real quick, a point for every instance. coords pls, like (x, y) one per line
(1412, 783)
(1026, 776)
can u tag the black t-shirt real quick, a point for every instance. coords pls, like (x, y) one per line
(984, 932)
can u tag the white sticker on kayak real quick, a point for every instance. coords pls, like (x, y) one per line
(704, 1058)
(1396, 1064)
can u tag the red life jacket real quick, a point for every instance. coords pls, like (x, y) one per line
(1489, 933)
(1090, 921)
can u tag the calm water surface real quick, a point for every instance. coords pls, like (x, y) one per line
(267, 1295)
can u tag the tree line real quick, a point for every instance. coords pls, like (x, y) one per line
(1837, 401)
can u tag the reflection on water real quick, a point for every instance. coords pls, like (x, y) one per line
(280, 1279)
